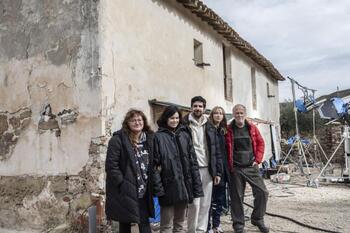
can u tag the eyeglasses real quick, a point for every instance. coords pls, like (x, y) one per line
(135, 121)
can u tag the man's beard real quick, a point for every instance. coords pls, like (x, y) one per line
(197, 114)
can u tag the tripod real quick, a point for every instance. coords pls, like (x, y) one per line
(297, 142)
(301, 157)
(315, 141)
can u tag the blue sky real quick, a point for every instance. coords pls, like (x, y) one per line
(308, 40)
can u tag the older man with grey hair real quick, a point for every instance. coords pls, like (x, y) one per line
(245, 150)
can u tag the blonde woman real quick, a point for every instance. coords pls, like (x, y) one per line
(218, 119)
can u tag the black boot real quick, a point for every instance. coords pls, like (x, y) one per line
(238, 228)
(240, 231)
(261, 225)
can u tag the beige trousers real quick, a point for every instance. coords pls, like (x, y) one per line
(198, 211)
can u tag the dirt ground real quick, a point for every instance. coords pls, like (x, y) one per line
(327, 206)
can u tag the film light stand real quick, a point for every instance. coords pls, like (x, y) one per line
(315, 141)
(297, 143)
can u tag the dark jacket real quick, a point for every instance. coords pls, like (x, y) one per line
(257, 143)
(213, 145)
(122, 202)
(176, 174)
(225, 174)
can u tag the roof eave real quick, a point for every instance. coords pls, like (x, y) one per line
(198, 8)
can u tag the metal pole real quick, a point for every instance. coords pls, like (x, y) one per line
(319, 145)
(300, 145)
(303, 154)
(313, 123)
(346, 147)
(295, 108)
(314, 129)
(92, 219)
(290, 150)
(313, 117)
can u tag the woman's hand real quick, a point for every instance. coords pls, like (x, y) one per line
(217, 180)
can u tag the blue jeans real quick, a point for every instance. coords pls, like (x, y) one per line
(217, 203)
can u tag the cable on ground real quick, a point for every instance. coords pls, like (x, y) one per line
(295, 221)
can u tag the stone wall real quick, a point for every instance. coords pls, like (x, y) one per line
(329, 138)
(46, 202)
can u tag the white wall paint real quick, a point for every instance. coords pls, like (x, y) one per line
(147, 52)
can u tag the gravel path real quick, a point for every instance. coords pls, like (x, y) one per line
(325, 207)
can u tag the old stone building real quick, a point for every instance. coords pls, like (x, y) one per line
(69, 71)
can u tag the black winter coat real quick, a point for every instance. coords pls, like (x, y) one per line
(176, 174)
(122, 202)
(213, 145)
(226, 173)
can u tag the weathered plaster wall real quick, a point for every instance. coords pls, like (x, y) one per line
(147, 52)
(51, 148)
(11, 126)
(47, 55)
(267, 107)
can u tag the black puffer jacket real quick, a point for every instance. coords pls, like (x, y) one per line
(176, 175)
(122, 202)
(213, 145)
(225, 172)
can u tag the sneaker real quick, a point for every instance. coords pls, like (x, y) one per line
(155, 226)
(261, 225)
(218, 230)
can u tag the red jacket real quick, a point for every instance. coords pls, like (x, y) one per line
(257, 144)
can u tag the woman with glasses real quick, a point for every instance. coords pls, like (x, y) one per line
(128, 171)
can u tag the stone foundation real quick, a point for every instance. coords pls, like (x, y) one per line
(46, 202)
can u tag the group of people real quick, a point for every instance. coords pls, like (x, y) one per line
(187, 164)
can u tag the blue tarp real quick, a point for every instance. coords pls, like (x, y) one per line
(156, 210)
(291, 140)
(303, 105)
(340, 106)
(299, 104)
